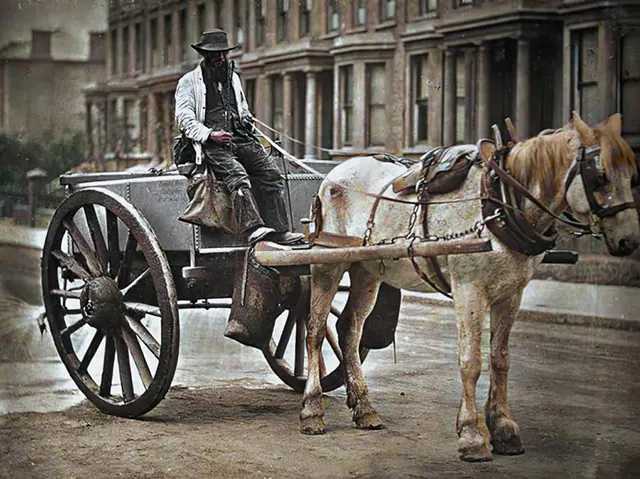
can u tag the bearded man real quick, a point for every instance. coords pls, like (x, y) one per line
(212, 111)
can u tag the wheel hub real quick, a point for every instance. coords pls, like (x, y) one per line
(101, 303)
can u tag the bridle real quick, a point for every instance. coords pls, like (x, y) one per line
(587, 163)
(502, 194)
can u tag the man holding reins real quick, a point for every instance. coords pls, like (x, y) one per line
(212, 112)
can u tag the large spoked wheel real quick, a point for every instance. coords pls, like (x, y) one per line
(286, 353)
(111, 302)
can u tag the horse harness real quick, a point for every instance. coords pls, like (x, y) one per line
(502, 202)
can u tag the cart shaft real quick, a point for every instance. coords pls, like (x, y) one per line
(269, 254)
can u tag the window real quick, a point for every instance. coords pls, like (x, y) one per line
(250, 93)
(461, 98)
(184, 41)
(387, 10)
(305, 17)
(113, 53)
(359, 12)
(428, 8)
(346, 105)
(167, 40)
(155, 51)
(40, 45)
(277, 103)
(96, 47)
(202, 19)
(584, 61)
(462, 3)
(376, 109)
(420, 98)
(333, 15)
(126, 66)
(281, 20)
(219, 11)
(630, 82)
(139, 47)
(261, 7)
(237, 22)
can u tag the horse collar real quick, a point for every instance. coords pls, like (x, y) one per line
(501, 209)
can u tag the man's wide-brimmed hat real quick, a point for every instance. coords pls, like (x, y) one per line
(213, 41)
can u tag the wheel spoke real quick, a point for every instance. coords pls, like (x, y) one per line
(133, 283)
(142, 308)
(138, 357)
(69, 330)
(107, 368)
(91, 351)
(69, 262)
(285, 337)
(145, 336)
(83, 247)
(333, 342)
(323, 366)
(114, 244)
(127, 261)
(298, 368)
(125, 370)
(96, 235)
(65, 293)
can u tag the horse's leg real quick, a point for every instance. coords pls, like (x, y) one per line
(471, 306)
(324, 285)
(362, 298)
(505, 434)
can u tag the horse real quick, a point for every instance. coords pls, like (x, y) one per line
(549, 168)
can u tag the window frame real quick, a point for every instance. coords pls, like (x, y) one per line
(345, 83)
(259, 23)
(282, 15)
(621, 81)
(370, 105)
(577, 66)
(334, 10)
(418, 99)
(356, 7)
(304, 18)
(383, 12)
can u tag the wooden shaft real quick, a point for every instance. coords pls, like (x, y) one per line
(289, 257)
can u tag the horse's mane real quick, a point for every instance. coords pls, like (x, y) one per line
(539, 162)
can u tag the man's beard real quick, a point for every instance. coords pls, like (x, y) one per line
(217, 73)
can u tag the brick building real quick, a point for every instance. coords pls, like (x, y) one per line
(49, 51)
(365, 75)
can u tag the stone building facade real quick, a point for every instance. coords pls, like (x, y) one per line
(354, 76)
(49, 51)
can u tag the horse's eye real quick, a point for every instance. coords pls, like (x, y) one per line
(601, 181)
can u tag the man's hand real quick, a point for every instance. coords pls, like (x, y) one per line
(221, 136)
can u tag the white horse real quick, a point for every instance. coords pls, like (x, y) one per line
(491, 281)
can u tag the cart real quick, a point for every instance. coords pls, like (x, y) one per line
(117, 267)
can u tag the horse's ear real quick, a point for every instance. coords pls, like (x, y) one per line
(486, 148)
(614, 123)
(586, 133)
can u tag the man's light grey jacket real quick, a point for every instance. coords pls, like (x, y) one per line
(191, 105)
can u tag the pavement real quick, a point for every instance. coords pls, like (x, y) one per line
(545, 300)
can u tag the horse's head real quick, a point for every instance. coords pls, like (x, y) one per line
(599, 184)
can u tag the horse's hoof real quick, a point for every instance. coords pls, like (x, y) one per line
(505, 437)
(509, 447)
(312, 426)
(369, 421)
(472, 447)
